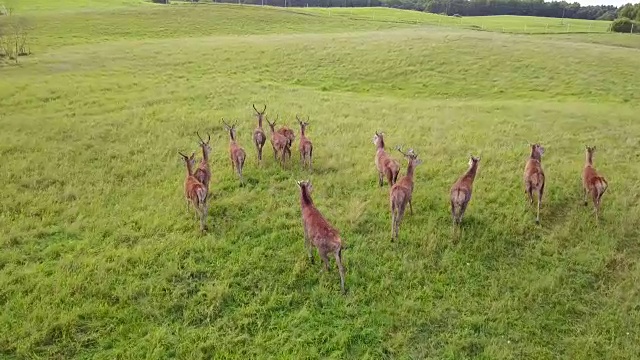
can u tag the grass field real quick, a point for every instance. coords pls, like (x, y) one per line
(510, 24)
(99, 259)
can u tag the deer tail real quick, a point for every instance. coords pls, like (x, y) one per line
(201, 193)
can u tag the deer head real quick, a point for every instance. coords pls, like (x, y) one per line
(536, 150)
(378, 139)
(272, 125)
(189, 160)
(231, 129)
(206, 148)
(305, 184)
(260, 114)
(410, 155)
(473, 161)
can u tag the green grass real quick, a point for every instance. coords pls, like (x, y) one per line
(510, 24)
(99, 259)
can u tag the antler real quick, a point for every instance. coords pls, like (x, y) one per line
(225, 124)
(183, 155)
(410, 153)
(259, 112)
(298, 118)
(199, 137)
(399, 148)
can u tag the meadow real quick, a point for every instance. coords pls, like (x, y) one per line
(99, 259)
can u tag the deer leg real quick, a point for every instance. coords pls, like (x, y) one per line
(203, 220)
(596, 202)
(338, 256)
(380, 180)
(538, 210)
(307, 244)
(239, 167)
(325, 259)
(529, 192)
(584, 191)
(453, 213)
(540, 193)
(399, 217)
(463, 208)
(393, 222)
(410, 208)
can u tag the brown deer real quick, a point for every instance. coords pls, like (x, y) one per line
(401, 193)
(203, 172)
(236, 152)
(306, 147)
(279, 142)
(195, 192)
(288, 133)
(384, 163)
(319, 233)
(461, 191)
(534, 176)
(592, 182)
(259, 137)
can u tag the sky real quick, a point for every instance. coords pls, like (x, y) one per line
(604, 2)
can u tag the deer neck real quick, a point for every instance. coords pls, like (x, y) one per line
(302, 130)
(589, 159)
(380, 144)
(305, 197)
(410, 170)
(205, 155)
(471, 173)
(535, 155)
(189, 169)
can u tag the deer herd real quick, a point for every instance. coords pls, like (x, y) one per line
(318, 232)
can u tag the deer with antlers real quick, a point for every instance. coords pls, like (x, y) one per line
(306, 147)
(319, 233)
(236, 152)
(401, 192)
(195, 192)
(279, 142)
(203, 172)
(592, 182)
(461, 191)
(259, 137)
(387, 166)
(534, 176)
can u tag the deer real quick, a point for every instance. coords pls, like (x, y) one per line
(401, 192)
(306, 147)
(384, 163)
(236, 152)
(592, 182)
(319, 233)
(534, 176)
(288, 133)
(279, 142)
(461, 191)
(203, 172)
(195, 192)
(259, 137)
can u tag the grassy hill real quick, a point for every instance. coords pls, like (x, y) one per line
(99, 258)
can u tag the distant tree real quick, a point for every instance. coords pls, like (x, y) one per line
(14, 36)
(625, 25)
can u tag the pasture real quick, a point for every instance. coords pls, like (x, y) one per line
(99, 258)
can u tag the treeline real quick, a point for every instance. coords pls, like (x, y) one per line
(630, 11)
(471, 7)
